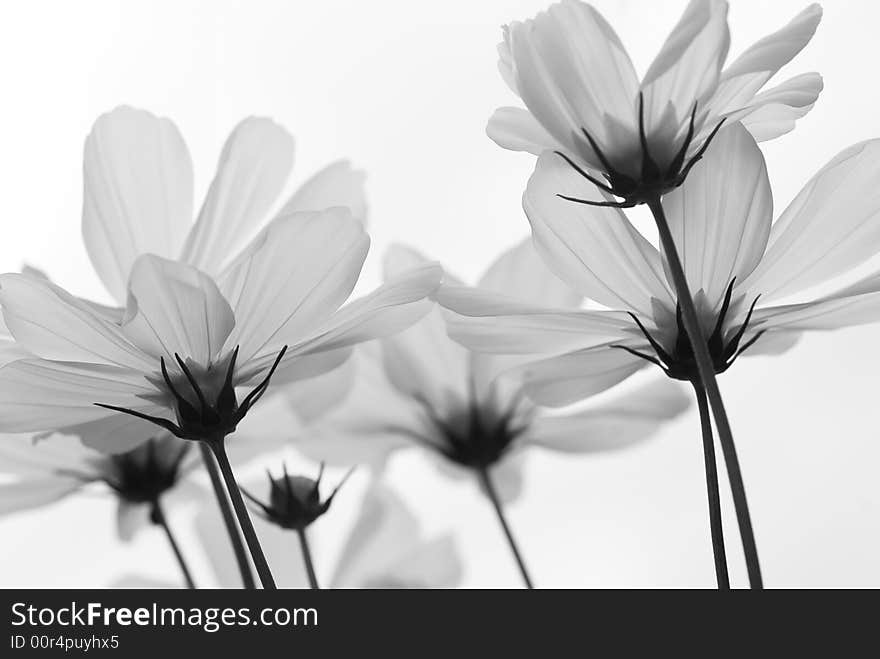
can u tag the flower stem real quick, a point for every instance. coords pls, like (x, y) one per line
(715, 526)
(307, 559)
(157, 515)
(707, 376)
(244, 566)
(486, 481)
(247, 527)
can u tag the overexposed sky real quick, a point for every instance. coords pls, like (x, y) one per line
(404, 89)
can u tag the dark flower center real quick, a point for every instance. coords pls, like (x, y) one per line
(477, 435)
(679, 363)
(201, 416)
(145, 473)
(653, 181)
(295, 501)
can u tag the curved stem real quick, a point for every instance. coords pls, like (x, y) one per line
(307, 559)
(244, 519)
(715, 526)
(486, 481)
(157, 515)
(707, 376)
(244, 566)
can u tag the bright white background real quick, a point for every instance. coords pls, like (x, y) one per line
(404, 90)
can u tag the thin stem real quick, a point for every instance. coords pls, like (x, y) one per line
(715, 525)
(307, 559)
(157, 515)
(486, 481)
(244, 566)
(707, 376)
(244, 519)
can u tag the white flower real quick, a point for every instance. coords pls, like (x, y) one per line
(419, 388)
(740, 263)
(138, 199)
(384, 549)
(584, 99)
(187, 340)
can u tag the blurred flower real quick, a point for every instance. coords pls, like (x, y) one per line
(739, 261)
(39, 471)
(45, 472)
(384, 549)
(419, 388)
(295, 501)
(585, 102)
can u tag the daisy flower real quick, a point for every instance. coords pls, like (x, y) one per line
(584, 100)
(419, 388)
(209, 310)
(756, 279)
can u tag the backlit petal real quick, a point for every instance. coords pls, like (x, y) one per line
(50, 323)
(594, 250)
(175, 309)
(138, 193)
(292, 278)
(629, 419)
(832, 226)
(720, 218)
(253, 168)
(338, 184)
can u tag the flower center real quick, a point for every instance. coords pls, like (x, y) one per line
(653, 179)
(477, 435)
(205, 411)
(143, 474)
(679, 363)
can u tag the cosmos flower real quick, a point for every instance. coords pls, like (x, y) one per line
(385, 548)
(419, 388)
(755, 279)
(138, 199)
(584, 100)
(187, 341)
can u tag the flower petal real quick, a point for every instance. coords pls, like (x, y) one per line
(385, 549)
(114, 434)
(292, 278)
(832, 226)
(750, 71)
(518, 130)
(389, 309)
(629, 419)
(688, 65)
(487, 322)
(50, 323)
(175, 309)
(774, 112)
(571, 71)
(27, 456)
(130, 518)
(594, 250)
(338, 184)
(138, 193)
(572, 377)
(43, 395)
(23, 495)
(253, 168)
(720, 217)
(520, 274)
